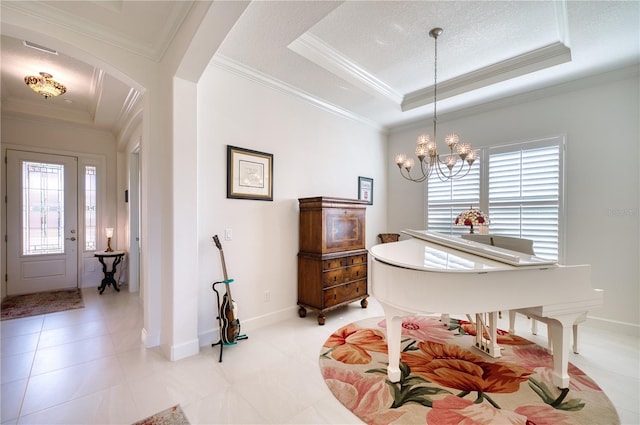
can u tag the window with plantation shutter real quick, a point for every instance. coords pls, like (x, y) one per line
(519, 186)
(524, 194)
(447, 199)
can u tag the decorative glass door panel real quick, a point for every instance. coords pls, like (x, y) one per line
(42, 208)
(42, 252)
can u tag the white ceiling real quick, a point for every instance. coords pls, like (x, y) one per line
(371, 61)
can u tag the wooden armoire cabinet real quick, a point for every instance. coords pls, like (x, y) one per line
(332, 261)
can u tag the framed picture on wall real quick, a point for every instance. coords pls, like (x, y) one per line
(249, 174)
(365, 189)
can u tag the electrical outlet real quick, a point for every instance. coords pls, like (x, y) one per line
(267, 296)
(228, 234)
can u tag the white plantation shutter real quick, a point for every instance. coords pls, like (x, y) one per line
(445, 200)
(520, 187)
(525, 193)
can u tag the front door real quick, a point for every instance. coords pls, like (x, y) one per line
(42, 239)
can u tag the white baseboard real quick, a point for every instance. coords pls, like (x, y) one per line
(208, 337)
(212, 335)
(614, 326)
(149, 340)
(269, 319)
(183, 350)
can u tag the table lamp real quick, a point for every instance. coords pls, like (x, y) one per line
(109, 233)
(471, 217)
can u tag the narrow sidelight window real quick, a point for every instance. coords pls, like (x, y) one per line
(90, 210)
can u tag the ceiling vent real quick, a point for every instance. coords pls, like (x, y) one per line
(39, 47)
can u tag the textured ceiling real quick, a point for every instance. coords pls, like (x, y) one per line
(368, 60)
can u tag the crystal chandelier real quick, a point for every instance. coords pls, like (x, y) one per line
(426, 148)
(45, 85)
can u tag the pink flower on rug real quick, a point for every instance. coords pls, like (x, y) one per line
(351, 343)
(544, 415)
(455, 367)
(423, 328)
(366, 396)
(536, 357)
(453, 410)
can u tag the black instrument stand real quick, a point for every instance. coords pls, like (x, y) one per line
(222, 344)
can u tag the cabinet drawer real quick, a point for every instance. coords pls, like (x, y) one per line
(334, 263)
(356, 259)
(343, 274)
(344, 293)
(357, 272)
(335, 277)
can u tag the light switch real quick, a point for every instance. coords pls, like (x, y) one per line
(228, 234)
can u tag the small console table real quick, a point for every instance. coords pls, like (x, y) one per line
(108, 275)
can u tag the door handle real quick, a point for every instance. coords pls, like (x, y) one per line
(72, 238)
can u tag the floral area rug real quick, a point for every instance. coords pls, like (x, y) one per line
(445, 381)
(14, 307)
(171, 416)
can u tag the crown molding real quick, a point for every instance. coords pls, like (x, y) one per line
(95, 90)
(244, 71)
(127, 110)
(31, 112)
(532, 61)
(608, 76)
(317, 51)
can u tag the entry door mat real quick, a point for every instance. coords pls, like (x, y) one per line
(17, 306)
(171, 416)
(445, 381)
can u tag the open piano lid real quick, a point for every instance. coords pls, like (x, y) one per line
(513, 258)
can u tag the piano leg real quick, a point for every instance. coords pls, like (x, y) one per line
(394, 330)
(445, 319)
(560, 330)
(393, 319)
(512, 322)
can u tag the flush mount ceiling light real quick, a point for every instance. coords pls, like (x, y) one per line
(45, 85)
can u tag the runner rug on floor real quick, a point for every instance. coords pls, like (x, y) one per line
(171, 416)
(17, 306)
(445, 381)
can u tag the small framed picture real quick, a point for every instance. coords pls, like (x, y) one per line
(365, 189)
(249, 174)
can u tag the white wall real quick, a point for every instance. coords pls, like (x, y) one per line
(315, 154)
(602, 185)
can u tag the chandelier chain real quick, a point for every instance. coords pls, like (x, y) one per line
(435, 87)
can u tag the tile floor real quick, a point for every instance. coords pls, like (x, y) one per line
(87, 366)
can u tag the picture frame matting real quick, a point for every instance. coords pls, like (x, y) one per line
(249, 174)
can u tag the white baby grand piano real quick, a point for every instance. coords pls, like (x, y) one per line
(435, 273)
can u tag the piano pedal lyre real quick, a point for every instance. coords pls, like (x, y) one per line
(488, 345)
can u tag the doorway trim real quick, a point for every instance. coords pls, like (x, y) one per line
(134, 221)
